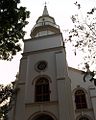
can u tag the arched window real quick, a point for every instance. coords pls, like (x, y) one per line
(80, 99)
(83, 118)
(42, 92)
(43, 117)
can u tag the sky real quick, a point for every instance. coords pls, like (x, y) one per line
(61, 10)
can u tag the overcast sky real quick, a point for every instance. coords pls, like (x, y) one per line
(61, 10)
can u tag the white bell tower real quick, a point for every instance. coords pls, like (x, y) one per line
(44, 86)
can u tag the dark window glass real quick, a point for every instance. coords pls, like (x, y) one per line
(43, 117)
(80, 99)
(42, 65)
(42, 92)
(83, 118)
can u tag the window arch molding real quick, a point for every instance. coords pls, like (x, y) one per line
(79, 88)
(42, 88)
(85, 116)
(39, 76)
(34, 115)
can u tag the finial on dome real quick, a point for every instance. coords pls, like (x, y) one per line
(45, 11)
(45, 3)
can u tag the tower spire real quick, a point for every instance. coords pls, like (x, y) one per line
(45, 11)
(45, 3)
(45, 25)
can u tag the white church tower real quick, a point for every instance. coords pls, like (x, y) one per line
(44, 86)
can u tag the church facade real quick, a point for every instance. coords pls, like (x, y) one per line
(83, 95)
(48, 88)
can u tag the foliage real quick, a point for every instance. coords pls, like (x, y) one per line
(83, 34)
(6, 93)
(12, 22)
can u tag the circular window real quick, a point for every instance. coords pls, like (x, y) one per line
(41, 65)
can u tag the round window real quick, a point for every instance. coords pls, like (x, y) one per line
(41, 65)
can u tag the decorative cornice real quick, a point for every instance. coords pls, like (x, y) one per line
(61, 78)
(42, 103)
(42, 51)
(83, 110)
(40, 37)
(21, 83)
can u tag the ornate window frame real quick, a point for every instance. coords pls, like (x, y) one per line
(41, 66)
(86, 96)
(34, 115)
(83, 116)
(42, 89)
(80, 99)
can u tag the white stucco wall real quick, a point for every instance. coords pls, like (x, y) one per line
(45, 42)
(77, 82)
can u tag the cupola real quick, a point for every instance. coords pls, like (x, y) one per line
(45, 25)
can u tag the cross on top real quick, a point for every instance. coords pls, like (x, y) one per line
(45, 3)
